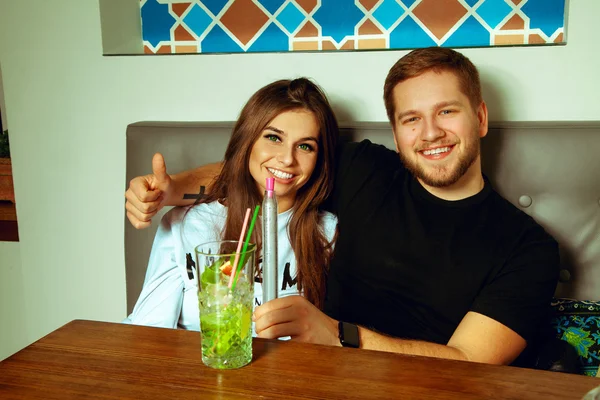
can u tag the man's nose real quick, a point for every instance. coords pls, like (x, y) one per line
(432, 131)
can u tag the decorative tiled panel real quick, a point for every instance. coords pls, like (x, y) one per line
(228, 26)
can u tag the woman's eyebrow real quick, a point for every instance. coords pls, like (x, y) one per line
(279, 131)
(276, 130)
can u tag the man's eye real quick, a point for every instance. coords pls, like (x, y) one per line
(306, 147)
(409, 120)
(446, 112)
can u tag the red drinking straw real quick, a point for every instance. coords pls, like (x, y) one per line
(239, 247)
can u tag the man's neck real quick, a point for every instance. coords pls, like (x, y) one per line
(468, 185)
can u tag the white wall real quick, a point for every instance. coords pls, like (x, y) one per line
(12, 308)
(2, 103)
(69, 107)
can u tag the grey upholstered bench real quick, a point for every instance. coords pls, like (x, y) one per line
(551, 170)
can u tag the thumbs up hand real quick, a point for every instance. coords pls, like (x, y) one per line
(147, 194)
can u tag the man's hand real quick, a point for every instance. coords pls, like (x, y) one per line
(296, 317)
(147, 194)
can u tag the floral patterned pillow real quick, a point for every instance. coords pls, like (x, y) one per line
(578, 323)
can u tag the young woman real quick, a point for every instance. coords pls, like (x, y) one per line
(286, 131)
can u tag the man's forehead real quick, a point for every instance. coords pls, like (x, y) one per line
(430, 90)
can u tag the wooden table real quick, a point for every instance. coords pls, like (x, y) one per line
(86, 359)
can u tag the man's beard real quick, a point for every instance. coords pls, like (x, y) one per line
(442, 176)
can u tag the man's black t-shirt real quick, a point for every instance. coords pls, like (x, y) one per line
(411, 265)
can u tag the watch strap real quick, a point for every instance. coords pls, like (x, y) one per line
(348, 335)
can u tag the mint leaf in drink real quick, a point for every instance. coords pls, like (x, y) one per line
(209, 276)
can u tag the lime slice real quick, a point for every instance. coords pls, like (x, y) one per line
(245, 323)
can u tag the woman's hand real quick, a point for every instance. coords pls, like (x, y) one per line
(148, 194)
(296, 317)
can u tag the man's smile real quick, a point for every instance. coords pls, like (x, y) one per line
(437, 153)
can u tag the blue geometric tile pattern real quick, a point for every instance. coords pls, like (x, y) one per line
(548, 15)
(197, 20)
(409, 35)
(290, 17)
(494, 11)
(388, 12)
(300, 25)
(272, 39)
(471, 33)
(272, 5)
(338, 18)
(408, 3)
(215, 6)
(156, 22)
(217, 41)
(471, 3)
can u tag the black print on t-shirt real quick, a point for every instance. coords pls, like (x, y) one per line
(287, 278)
(189, 265)
(258, 277)
(288, 282)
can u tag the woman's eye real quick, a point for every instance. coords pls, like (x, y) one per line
(306, 147)
(272, 138)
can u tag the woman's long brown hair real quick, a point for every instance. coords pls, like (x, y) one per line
(237, 187)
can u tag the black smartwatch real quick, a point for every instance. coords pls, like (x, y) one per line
(348, 334)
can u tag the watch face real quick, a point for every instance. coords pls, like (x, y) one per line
(349, 335)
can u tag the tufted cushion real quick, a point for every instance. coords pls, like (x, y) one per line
(550, 170)
(578, 323)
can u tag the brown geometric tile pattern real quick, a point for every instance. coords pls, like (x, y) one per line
(516, 22)
(180, 26)
(308, 30)
(369, 28)
(348, 45)
(307, 5)
(244, 19)
(164, 50)
(368, 4)
(329, 45)
(504, 40)
(439, 20)
(364, 44)
(304, 46)
(186, 49)
(536, 39)
(182, 35)
(180, 8)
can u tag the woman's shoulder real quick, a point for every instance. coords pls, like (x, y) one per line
(195, 224)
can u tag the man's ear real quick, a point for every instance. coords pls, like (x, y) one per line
(482, 118)
(395, 140)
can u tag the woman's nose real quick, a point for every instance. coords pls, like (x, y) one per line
(286, 156)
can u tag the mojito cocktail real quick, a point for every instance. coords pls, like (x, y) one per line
(225, 312)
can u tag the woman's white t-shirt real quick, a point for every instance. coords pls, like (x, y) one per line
(169, 296)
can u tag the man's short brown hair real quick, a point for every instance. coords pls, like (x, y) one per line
(437, 59)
